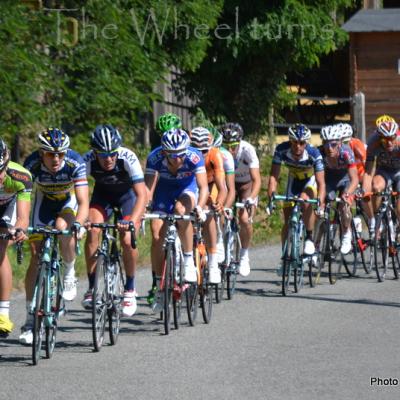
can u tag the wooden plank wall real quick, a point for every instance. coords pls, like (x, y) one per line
(374, 58)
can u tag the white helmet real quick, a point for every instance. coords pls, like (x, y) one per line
(331, 132)
(388, 129)
(201, 138)
(347, 131)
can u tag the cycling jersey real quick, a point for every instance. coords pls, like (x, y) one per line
(302, 169)
(121, 178)
(58, 186)
(214, 164)
(229, 163)
(389, 161)
(360, 155)
(17, 184)
(193, 164)
(245, 159)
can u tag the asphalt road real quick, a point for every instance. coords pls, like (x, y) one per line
(323, 343)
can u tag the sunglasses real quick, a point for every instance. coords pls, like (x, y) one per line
(388, 139)
(231, 145)
(331, 145)
(54, 154)
(175, 156)
(106, 154)
(299, 142)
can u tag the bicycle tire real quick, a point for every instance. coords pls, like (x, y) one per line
(99, 304)
(298, 271)
(321, 242)
(116, 300)
(335, 258)
(56, 300)
(206, 295)
(220, 287)
(39, 311)
(381, 248)
(179, 285)
(350, 260)
(286, 264)
(192, 304)
(233, 270)
(167, 290)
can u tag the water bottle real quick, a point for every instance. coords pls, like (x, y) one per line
(358, 224)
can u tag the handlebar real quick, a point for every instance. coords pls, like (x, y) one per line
(105, 226)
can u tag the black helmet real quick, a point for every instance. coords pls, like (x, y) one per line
(105, 138)
(231, 132)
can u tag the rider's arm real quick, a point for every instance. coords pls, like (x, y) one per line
(23, 210)
(273, 179)
(256, 182)
(141, 194)
(353, 175)
(151, 182)
(82, 198)
(320, 179)
(367, 179)
(230, 183)
(201, 179)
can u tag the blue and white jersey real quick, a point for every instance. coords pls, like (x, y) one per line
(309, 163)
(121, 178)
(59, 185)
(185, 176)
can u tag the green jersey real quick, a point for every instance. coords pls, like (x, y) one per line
(17, 184)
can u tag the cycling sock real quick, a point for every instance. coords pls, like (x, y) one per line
(130, 283)
(309, 235)
(244, 253)
(212, 260)
(5, 308)
(69, 269)
(153, 274)
(91, 278)
(188, 254)
(158, 281)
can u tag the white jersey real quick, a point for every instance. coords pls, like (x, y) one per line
(229, 162)
(245, 159)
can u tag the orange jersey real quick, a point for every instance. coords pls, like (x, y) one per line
(360, 155)
(214, 164)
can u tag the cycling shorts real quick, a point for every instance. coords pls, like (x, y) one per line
(392, 177)
(106, 202)
(297, 186)
(165, 198)
(336, 184)
(243, 191)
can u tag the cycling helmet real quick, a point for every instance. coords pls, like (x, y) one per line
(388, 129)
(217, 137)
(175, 141)
(53, 140)
(231, 132)
(299, 132)
(384, 118)
(4, 155)
(331, 132)
(347, 131)
(167, 122)
(201, 138)
(105, 138)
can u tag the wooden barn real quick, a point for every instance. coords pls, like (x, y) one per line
(375, 61)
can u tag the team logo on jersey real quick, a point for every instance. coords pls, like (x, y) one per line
(194, 158)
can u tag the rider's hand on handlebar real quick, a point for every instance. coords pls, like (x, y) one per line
(219, 208)
(78, 229)
(19, 235)
(200, 214)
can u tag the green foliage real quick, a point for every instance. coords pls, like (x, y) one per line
(243, 74)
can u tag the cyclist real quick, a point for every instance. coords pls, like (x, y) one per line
(340, 176)
(119, 183)
(247, 185)
(164, 123)
(384, 150)
(15, 196)
(61, 200)
(306, 178)
(176, 178)
(202, 139)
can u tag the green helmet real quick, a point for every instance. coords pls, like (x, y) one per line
(168, 121)
(217, 142)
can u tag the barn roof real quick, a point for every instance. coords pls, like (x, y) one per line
(381, 20)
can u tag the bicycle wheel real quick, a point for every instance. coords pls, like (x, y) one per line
(206, 294)
(179, 288)
(392, 248)
(381, 245)
(39, 312)
(116, 299)
(352, 259)
(167, 289)
(321, 247)
(233, 270)
(287, 264)
(56, 307)
(335, 258)
(298, 271)
(99, 308)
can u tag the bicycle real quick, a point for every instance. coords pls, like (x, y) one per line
(108, 290)
(232, 245)
(293, 259)
(384, 240)
(172, 282)
(47, 304)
